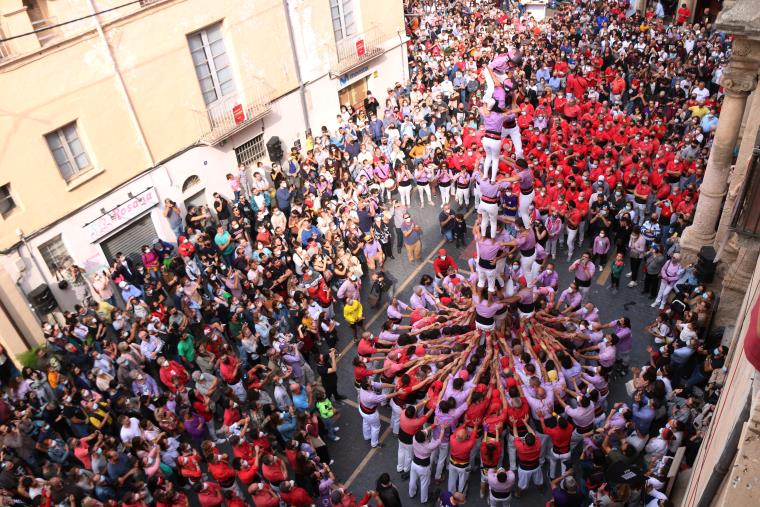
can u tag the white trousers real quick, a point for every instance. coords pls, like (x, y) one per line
(499, 502)
(445, 193)
(514, 133)
(662, 293)
(462, 196)
(489, 212)
(423, 475)
(523, 206)
(487, 275)
(526, 477)
(404, 461)
(492, 148)
(426, 190)
(526, 263)
(371, 427)
(442, 457)
(395, 416)
(554, 460)
(551, 244)
(405, 195)
(571, 234)
(458, 477)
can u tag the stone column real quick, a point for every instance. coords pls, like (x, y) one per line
(736, 281)
(737, 176)
(738, 80)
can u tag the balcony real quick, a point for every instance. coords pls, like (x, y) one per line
(46, 29)
(231, 114)
(355, 50)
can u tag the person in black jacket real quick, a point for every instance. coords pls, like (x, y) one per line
(124, 267)
(387, 492)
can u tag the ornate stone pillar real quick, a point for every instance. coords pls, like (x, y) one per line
(737, 177)
(738, 80)
(736, 281)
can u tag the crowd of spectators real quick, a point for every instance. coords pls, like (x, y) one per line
(205, 370)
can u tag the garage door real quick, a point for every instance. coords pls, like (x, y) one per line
(130, 239)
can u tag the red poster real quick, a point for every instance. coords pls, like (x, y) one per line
(238, 114)
(360, 51)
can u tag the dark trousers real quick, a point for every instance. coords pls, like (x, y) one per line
(635, 265)
(399, 239)
(388, 248)
(651, 284)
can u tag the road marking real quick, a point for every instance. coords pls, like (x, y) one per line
(401, 288)
(366, 459)
(356, 405)
(602, 279)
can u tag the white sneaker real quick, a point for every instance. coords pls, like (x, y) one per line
(655, 304)
(336, 438)
(336, 428)
(628, 275)
(601, 268)
(632, 284)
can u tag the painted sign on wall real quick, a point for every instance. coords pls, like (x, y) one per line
(121, 215)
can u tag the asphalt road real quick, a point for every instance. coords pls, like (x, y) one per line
(359, 466)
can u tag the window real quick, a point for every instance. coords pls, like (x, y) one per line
(251, 151)
(343, 21)
(191, 182)
(212, 66)
(7, 204)
(68, 151)
(55, 255)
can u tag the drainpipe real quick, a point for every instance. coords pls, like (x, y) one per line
(301, 85)
(726, 459)
(122, 87)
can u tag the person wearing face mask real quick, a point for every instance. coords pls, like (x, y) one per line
(601, 249)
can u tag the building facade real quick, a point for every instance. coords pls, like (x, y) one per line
(109, 107)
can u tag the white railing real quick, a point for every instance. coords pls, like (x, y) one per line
(5, 51)
(230, 114)
(354, 50)
(47, 36)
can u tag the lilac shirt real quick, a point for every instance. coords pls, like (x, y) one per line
(488, 249)
(488, 189)
(545, 279)
(601, 245)
(581, 272)
(486, 309)
(394, 312)
(572, 299)
(371, 399)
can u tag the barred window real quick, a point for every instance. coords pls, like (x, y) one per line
(55, 254)
(251, 151)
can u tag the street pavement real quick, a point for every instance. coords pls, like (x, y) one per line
(356, 463)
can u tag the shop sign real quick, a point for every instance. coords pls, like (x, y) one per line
(121, 214)
(345, 78)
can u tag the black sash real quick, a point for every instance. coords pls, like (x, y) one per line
(528, 252)
(423, 462)
(485, 321)
(404, 437)
(486, 264)
(582, 283)
(526, 307)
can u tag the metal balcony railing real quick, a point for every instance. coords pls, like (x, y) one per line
(231, 114)
(354, 50)
(51, 34)
(5, 51)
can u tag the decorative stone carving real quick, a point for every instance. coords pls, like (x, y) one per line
(738, 81)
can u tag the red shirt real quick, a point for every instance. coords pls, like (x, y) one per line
(528, 454)
(211, 496)
(460, 450)
(228, 369)
(297, 497)
(273, 472)
(247, 475)
(265, 498)
(173, 376)
(560, 437)
(441, 267)
(222, 471)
